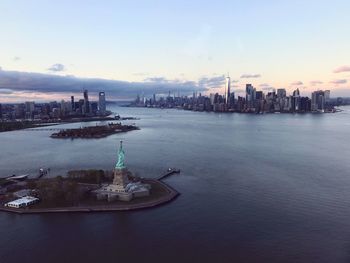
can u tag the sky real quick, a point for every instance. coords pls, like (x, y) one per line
(53, 49)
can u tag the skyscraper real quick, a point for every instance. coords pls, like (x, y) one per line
(212, 98)
(86, 102)
(250, 95)
(281, 99)
(259, 95)
(29, 109)
(72, 103)
(228, 90)
(101, 102)
(296, 100)
(327, 96)
(281, 93)
(318, 100)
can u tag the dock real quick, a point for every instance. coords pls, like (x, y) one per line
(44, 129)
(169, 172)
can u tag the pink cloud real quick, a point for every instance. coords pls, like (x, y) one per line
(338, 81)
(315, 82)
(342, 69)
(297, 83)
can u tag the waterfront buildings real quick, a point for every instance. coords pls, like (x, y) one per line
(72, 103)
(320, 100)
(228, 90)
(101, 102)
(250, 96)
(30, 110)
(86, 103)
(22, 202)
(255, 101)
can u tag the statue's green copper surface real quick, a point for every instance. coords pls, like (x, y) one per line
(121, 156)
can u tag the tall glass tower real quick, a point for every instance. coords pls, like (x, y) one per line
(228, 89)
(102, 102)
(86, 102)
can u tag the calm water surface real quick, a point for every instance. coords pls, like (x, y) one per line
(254, 188)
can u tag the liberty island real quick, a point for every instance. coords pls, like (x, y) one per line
(89, 191)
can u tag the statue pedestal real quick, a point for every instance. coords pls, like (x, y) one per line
(121, 177)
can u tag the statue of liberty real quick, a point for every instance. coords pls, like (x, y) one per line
(121, 156)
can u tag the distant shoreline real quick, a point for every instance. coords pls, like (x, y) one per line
(336, 110)
(7, 126)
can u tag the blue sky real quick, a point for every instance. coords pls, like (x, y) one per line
(173, 44)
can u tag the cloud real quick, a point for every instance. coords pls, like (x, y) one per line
(297, 83)
(338, 81)
(315, 82)
(157, 79)
(240, 90)
(57, 67)
(16, 58)
(249, 76)
(266, 86)
(53, 84)
(342, 69)
(6, 91)
(212, 82)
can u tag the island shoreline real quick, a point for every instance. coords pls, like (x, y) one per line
(171, 196)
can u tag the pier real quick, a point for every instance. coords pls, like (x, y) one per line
(44, 129)
(169, 172)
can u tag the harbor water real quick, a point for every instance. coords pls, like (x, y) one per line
(254, 188)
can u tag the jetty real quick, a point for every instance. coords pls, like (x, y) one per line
(169, 172)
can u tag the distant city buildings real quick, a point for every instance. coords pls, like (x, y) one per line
(320, 100)
(30, 110)
(228, 90)
(86, 109)
(102, 102)
(255, 101)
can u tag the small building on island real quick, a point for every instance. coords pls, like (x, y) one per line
(122, 188)
(22, 202)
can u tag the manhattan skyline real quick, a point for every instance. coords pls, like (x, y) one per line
(52, 50)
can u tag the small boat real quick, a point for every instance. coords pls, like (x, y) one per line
(43, 171)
